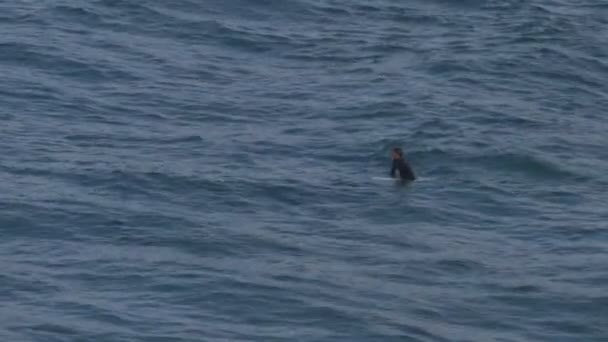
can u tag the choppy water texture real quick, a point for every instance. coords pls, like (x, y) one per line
(203, 170)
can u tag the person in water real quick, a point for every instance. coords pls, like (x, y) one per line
(400, 164)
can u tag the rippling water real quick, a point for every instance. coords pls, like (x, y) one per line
(204, 170)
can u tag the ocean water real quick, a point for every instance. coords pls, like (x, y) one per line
(205, 170)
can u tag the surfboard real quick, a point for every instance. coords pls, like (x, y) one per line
(384, 179)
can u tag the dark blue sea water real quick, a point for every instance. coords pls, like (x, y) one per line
(204, 170)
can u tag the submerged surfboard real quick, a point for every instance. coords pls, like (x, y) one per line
(385, 179)
(390, 179)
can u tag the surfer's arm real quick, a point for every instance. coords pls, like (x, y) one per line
(410, 173)
(394, 168)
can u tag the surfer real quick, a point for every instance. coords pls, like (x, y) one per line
(401, 165)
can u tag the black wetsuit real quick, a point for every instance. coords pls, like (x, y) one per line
(405, 171)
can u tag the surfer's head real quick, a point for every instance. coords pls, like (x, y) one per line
(397, 153)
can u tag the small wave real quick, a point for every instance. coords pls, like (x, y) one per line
(94, 139)
(526, 164)
(78, 14)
